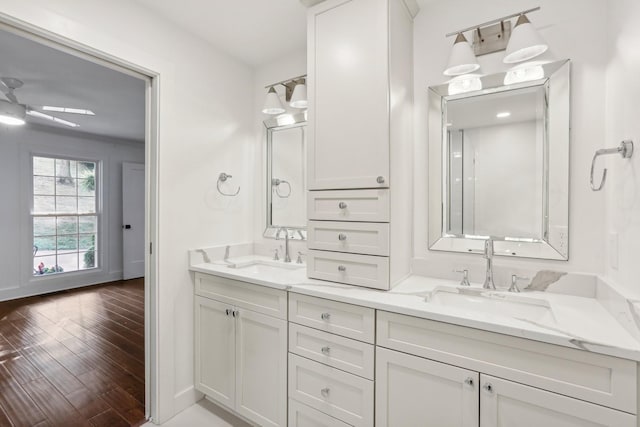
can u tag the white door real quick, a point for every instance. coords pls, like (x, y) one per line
(416, 392)
(133, 241)
(348, 82)
(215, 350)
(508, 404)
(261, 368)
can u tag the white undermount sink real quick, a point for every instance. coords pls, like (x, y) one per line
(492, 303)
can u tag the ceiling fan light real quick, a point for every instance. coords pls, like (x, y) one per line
(525, 42)
(12, 114)
(272, 103)
(462, 60)
(299, 96)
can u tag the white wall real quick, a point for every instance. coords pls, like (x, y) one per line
(291, 65)
(622, 190)
(17, 145)
(207, 126)
(563, 27)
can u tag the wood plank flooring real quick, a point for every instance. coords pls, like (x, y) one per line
(74, 358)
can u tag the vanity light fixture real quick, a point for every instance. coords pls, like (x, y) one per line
(464, 84)
(462, 60)
(295, 95)
(525, 42)
(529, 72)
(12, 114)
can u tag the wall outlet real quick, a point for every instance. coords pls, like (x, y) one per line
(613, 250)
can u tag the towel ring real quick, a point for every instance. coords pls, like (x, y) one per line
(223, 177)
(275, 183)
(625, 149)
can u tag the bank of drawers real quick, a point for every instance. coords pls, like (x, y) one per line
(331, 363)
(348, 237)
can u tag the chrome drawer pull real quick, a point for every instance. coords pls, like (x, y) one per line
(342, 268)
(488, 387)
(342, 237)
(325, 392)
(342, 205)
(325, 316)
(469, 381)
(325, 350)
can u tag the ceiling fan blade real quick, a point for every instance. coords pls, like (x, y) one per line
(68, 110)
(40, 115)
(7, 85)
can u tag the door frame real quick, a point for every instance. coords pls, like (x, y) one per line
(152, 90)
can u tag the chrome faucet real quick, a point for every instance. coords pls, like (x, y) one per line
(287, 258)
(488, 254)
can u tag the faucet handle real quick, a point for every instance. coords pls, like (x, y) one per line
(276, 257)
(514, 282)
(299, 260)
(465, 277)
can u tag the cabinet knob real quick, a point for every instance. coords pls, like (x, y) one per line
(228, 311)
(469, 381)
(325, 316)
(342, 205)
(488, 387)
(342, 237)
(325, 392)
(325, 350)
(235, 313)
(380, 179)
(342, 268)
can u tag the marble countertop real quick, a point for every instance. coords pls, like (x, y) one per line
(586, 323)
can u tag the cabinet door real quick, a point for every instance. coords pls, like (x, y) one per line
(507, 404)
(348, 95)
(215, 350)
(261, 370)
(412, 392)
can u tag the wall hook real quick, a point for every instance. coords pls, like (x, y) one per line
(626, 151)
(223, 177)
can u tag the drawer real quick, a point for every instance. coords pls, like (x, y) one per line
(370, 238)
(272, 302)
(344, 396)
(596, 378)
(362, 270)
(349, 205)
(349, 355)
(348, 320)
(304, 416)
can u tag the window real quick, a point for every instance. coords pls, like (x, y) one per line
(65, 219)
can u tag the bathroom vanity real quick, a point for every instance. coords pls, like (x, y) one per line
(279, 349)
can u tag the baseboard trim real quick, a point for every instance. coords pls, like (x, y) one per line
(187, 397)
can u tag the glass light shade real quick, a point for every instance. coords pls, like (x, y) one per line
(12, 114)
(462, 60)
(464, 84)
(524, 74)
(272, 103)
(299, 96)
(525, 43)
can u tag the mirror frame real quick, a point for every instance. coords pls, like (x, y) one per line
(554, 244)
(281, 122)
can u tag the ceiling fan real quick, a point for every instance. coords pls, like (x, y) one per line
(13, 113)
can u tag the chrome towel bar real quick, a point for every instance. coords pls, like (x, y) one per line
(626, 151)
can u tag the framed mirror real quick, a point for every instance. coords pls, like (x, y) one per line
(499, 162)
(286, 175)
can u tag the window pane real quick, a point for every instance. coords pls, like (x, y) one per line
(44, 204)
(65, 169)
(44, 226)
(67, 225)
(86, 204)
(68, 243)
(43, 166)
(87, 241)
(87, 187)
(66, 204)
(88, 224)
(86, 169)
(66, 187)
(44, 265)
(68, 262)
(88, 259)
(44, 245)
(43, 185)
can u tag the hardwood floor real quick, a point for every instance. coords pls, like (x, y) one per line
(74, 358)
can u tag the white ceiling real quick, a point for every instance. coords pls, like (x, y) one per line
(52, 77)
(252, 31)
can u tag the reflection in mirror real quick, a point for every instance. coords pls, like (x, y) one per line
(286, 175)
(499, 164)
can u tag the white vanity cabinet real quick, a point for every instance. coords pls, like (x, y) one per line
(457, 376)
(359, 156)
(240, 352)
